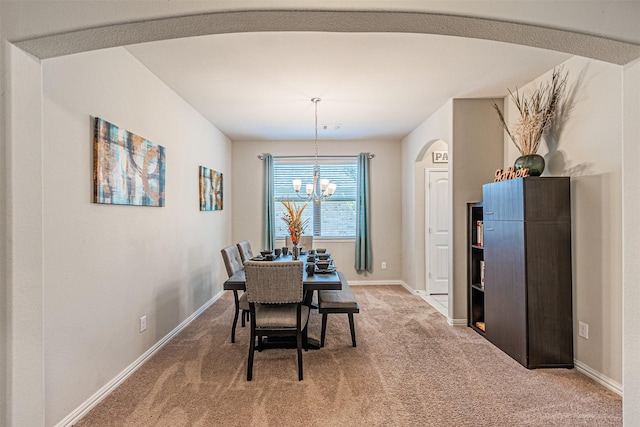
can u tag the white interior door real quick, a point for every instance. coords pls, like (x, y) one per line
(437, 230)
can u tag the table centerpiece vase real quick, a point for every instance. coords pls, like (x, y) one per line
(295, 224)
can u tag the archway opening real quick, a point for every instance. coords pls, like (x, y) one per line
(431, 254)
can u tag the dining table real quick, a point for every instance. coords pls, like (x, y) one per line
(320, 280)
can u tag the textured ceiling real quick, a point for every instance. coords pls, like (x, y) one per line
(381, 85)
(380, 73)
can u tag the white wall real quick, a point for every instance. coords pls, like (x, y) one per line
(3, 222)
(420, 166)
(23, 310)
(474, 155)
(414, 146)
(105, 266)
(475, 152)
(588, 148)
(386, 222)
(630, 248)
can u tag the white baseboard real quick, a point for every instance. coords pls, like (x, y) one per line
(98, 396)
(605, 381)
(457, 322)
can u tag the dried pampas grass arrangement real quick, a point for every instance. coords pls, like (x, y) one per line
(537, 112)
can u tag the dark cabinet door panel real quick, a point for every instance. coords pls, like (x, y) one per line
(503, 200)
(547, 199)
(505, 290)
(549, 293)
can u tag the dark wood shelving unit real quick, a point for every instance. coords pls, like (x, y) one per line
(475, 258)
(527, 300)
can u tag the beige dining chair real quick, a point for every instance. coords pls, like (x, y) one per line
(245, 250)
(306, 242)
(233, 264)
(275, 294)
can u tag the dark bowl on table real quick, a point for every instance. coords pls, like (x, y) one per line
(320, 250)
(323, 265)
(265, 253)
(323, 257)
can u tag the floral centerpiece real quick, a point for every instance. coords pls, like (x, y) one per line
(537, 113)
(293, 219)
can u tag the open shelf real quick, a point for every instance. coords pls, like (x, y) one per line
(477, 329)
(477, 287)
(475, 263)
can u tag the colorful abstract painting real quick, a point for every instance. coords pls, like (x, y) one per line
(127, 169)
(210, 189)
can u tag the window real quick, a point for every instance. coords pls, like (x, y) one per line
(335, 217)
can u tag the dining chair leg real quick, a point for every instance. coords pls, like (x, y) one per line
(235, 317)
(299, 342)
(324, 329)
(251, 350)
(305, 338)
(353, 329)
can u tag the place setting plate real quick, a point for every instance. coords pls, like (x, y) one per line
(325, 270)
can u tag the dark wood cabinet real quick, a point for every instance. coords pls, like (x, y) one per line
(528, 278)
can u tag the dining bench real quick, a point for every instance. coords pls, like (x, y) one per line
(342, 301)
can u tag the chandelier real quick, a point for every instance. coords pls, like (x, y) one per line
(327, 188)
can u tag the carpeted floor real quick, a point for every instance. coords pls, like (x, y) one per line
(410, 369)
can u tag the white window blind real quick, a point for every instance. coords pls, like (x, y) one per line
(334, 217)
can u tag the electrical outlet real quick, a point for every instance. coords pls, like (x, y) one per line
(383, 265)
(143, 323)
(583, 330)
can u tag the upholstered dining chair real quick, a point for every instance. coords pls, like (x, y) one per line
(233, 264)
(275, 294)
(245, 250)
(306, 242)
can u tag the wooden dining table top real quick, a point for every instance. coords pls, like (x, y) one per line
(315, 282)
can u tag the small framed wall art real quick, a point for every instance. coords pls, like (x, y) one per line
(440, 157)
(127, 169)
(210, 189)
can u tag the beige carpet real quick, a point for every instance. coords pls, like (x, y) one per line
(410, 369)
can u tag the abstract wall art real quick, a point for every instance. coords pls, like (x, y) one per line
(210, 189)
(127, 169)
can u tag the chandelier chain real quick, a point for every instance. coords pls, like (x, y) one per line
(315, 102)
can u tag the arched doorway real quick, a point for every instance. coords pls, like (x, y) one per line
(432, 215)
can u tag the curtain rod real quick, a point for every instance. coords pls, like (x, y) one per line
(261, 156)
